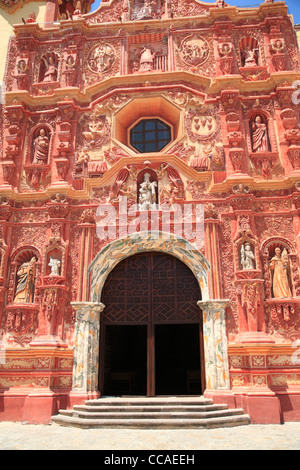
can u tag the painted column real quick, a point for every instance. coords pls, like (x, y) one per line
(215, 344)
(86, 253)
(86, 350)
(213, 256)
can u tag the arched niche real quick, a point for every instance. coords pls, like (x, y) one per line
(48, 71)
(249, 51)
(25, 268)
(268, 251)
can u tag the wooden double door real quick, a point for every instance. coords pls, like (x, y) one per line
(151, 331)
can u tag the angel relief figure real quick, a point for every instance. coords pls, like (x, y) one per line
(280, 272)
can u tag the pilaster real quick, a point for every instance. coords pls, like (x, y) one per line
(215, 344)
(86, 351)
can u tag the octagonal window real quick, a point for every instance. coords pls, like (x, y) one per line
(150, 135)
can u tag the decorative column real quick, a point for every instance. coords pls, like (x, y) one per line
(215, 344)
(88, 227)
(212, 223)
(86, 351)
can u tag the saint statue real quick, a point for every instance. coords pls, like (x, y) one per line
(250, 57)
(247, 257)
(280, 272)
(260, 142)
(147, 194)
(41, 148)
(146, 60)
(26, 282)
(50, 74)
(54, 264)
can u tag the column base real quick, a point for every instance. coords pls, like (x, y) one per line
(254, 337)
(41, 404)
(80, 397)
(48, 341)
(221, 397)
(263, 407)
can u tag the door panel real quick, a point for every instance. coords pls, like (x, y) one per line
(151, 287)
(154, 290)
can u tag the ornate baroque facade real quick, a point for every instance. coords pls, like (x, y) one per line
(151, 127)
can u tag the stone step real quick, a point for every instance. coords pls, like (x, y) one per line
(149, 401)
(153, 415)
(152, 408)
(156, 412)
(228, 421)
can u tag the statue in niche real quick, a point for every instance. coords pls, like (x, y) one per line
(250, 57)
(146, 10)
(247, 257)
(146, 60)
(280, 274)
(41, 148)
(260, 141)
(50, 74)
(26, 282)
(54, 264)
(147, 194)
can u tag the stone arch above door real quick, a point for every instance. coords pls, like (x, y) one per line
(140, 242)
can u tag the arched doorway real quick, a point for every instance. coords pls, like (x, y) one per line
(151, 332)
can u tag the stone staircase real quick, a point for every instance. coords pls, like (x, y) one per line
(151, 413)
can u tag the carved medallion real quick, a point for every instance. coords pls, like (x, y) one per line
(194, 50)
(101, 58)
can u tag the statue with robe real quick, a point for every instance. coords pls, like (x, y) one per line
(247, 257)
(41, 148)
(26, 282)
(54, 264)
(260, 141)
(250, 57)
(280, 274)
(147, 194)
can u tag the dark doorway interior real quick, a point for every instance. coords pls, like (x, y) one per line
(177, 359)
(125, 360)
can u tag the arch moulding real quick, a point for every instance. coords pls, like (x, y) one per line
(88, 314)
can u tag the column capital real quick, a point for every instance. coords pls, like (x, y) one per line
(213, 304)
(88, 307)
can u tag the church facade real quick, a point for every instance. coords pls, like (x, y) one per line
(150, 207)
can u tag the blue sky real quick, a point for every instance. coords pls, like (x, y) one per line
(294, 6)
